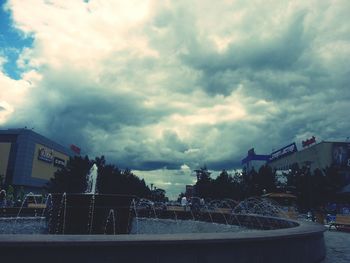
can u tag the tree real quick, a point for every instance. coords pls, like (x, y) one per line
(110, 180)
(72, 177)
(266, 179)
(203, 174)
(227, 186)
(250, 183)
(333, 180)
(158, 195)
(292, 177)
(319, 188)
(222, 185)
(203, 187)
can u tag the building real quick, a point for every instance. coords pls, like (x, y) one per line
(279, 160)
(254, 161)
(28, 159)
(313, 155)
(317, 156)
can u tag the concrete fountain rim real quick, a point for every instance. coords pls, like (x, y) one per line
(303, 230)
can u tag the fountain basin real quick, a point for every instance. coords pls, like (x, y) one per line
(23, 225)
(301, 243)
(87, 213)
(170, 226)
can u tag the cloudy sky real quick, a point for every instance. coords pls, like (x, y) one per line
(164, 87)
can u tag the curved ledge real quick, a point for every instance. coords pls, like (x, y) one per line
(303, 243)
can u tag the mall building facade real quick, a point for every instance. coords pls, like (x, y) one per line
(317, 156)
(29, 160)
(314, 156)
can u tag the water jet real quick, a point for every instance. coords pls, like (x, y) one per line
(253, 231)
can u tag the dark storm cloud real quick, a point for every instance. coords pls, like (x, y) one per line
(222, 72)
(172, 141)
(165, 152)
(153, 165)
(224, 164)
(69, 105)
(193, 84)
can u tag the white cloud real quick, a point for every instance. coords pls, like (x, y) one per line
(172, 181)
(12, 96)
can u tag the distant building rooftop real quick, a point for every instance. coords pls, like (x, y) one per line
(252, 156)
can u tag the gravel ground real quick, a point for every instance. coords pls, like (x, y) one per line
(338, 247)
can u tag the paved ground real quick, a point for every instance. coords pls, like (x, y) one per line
(338, 247)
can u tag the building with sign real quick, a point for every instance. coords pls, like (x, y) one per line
(254, 161)
(28, 159)
(320, 155)
(313, 155)
(283, 152)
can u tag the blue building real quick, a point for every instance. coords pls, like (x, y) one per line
(28, 159)
(254, 161)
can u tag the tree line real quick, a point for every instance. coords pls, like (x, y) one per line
(312, 188)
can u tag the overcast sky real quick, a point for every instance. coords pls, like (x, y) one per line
(164, 87)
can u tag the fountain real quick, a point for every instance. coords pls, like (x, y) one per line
(91, 179)
(86, 213)
(263, 238)
(110, 218)
(22, 219)
(253, 231)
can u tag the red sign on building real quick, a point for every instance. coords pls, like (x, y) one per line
(75, 148)
(308, 142)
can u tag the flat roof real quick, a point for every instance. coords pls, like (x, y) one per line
(40, 138)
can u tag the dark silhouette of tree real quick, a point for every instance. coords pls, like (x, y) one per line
(292, 177)
(314, 188)
(203, 174)
(334, 181)
(226, 187)
(223, 185)
(256, 183)
(158, 195)
(266, 180)
(250, 183)
(110, 180)
(72, 177)
(203, 187)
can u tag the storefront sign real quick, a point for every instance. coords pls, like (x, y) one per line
(289, 149)
(308, 142)
(45, 155)
(58, 162)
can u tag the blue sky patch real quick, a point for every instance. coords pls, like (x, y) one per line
(12, 42)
